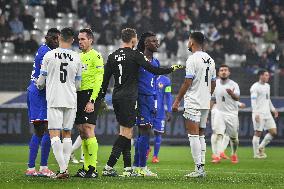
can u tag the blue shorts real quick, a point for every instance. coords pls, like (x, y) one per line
(146, 110)
(37, 107)
(159, 125)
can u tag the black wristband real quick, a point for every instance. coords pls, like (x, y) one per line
(92, 101)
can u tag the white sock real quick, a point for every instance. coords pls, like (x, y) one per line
(77, 144)
(67, 149)
(195, 148)
(108, 167)
(57, 148)
(226, 140)
(213, 143)
(42, 168)
(267, 139)
(219, 144)
(203, 148)
(255, 144)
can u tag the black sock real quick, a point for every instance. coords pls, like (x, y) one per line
(117, 148)
(127, 153)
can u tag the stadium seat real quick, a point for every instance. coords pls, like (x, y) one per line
(9, 45)
(5, 59)
(17, 58)
(28, 59)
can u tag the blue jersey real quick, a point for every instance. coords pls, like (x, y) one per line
(42, 50)
(163, 85)
(147, 80)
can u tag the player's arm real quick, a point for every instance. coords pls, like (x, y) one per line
(142, 61)
(78, 77)
(106, 77)
(40, 83)
(99, 76)
(185, 86)
(253, 97)
(213, 81)
(235, 94)
(241, 105)
(169, 100)
(273, 109)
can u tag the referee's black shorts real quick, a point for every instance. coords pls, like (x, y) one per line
(82, 117)
(125, 111)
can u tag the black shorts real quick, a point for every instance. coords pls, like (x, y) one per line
(82, 117)
(125, 112)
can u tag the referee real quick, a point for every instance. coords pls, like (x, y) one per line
(124, 65)
(87, 106)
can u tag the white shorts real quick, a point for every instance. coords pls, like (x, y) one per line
(199, 116)
(264, 124)
(226, 124)
(61, 118)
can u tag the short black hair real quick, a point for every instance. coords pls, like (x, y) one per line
(261, 72)
(223, 66)
(141, 43)
(127, 34)
(198, 37)
(52, 32)
(67, 34)
(89, 33)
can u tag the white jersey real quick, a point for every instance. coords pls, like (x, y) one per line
(260, 99)
(201, 68)
(224, 102)
(61, 68)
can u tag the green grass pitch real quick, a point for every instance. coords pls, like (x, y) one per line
(175, 162)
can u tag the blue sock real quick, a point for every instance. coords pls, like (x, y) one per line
(34, 145)
(157, 145)
(136, 155)
(143, 147)
(45, 149)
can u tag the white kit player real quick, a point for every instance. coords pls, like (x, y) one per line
(261, 114)
(61, 69)
(226, 119)
(197, 89)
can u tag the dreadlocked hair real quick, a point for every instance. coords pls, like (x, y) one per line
(141, 43)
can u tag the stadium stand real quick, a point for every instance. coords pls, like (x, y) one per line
(247, 35)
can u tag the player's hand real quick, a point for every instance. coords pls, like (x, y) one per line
(257, 118)
(242, 105)
(175, 106)
(276, 114)
(177, 67)
(89, 107)
(230, 91)
(169, 116)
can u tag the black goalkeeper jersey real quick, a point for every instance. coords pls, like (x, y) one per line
(124, 65)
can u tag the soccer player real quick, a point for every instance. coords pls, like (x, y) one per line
(124, 64)
(163, 86)
(148, 44)
(37, 110)
(199, 85)
(87, 106)
(261, 114)
(61, 69)
(226, 120)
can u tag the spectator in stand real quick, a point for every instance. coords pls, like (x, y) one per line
(260, 27)
(252, 57)
(271, 36)
(217, 54)
(50, 9)
(205, 10)
(171, 43)
(263, 62)
(28, 20)
(226, 28)
(281, 62)
(64, 6)
(17, 27)
(271, 56)
(213, 34)
(107, 8)
(31, 45)
(5, 31)
(82, 7)
(94, 18)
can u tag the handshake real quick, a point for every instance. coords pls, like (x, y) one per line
(176, 67)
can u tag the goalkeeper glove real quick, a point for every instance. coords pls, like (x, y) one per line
(177, 67)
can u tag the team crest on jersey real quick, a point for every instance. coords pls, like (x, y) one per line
(161, 85)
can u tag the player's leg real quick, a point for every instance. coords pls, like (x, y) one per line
(77, 144)
(136, 153)
(258, 128)
(232, 129)
(159, 129)
(202, 127)
(192, 120)
(55, 119)
(220, 131)
(125, 115)
(213, 135)
(225, 143)
(270, 126)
